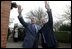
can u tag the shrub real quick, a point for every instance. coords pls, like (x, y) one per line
(64, 36)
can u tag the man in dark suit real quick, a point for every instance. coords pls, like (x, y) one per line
(31, 30)
(48, 36)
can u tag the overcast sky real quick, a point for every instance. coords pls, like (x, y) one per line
(57, 9)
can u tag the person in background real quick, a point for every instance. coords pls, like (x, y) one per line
(15, 33)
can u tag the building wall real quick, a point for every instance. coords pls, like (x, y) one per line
(5, 12)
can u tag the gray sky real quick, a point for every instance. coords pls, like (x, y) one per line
(57, 9)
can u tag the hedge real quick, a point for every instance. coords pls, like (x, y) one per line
(63, 36)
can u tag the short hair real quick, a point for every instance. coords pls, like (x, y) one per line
(34, 18)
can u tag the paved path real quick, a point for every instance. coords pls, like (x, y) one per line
(19, 45)
(11, 44)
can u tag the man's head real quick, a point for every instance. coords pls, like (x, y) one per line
(33, 20)
(43, 21)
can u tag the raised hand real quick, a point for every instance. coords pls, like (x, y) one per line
(47, 5)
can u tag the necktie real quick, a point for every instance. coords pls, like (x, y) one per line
(33, 25)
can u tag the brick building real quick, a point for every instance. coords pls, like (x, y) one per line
(5, 12)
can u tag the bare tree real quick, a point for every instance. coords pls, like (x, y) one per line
(38, 13)
(57, 25)
(67, 14)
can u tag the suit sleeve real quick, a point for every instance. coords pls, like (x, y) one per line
(22, 21)
(50, 17)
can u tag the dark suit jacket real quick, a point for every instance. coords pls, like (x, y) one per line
(30, 34)
(47, 31)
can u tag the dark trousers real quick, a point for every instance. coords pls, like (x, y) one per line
(15, 39)
(45, 45)
(35, 45)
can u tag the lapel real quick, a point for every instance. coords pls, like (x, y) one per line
(33, 27)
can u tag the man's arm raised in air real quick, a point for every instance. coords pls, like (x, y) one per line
(20, 17)
(49, 12)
